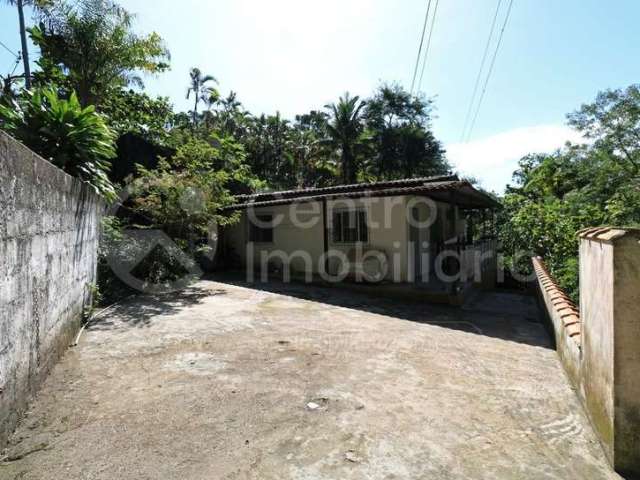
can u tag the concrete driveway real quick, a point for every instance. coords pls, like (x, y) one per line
(227, 381)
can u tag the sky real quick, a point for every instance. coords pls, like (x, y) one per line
(292, 56)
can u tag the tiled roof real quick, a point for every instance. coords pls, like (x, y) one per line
(427, 186)
(607, 234)
(406, 182)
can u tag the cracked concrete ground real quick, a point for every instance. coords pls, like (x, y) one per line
(227, 381)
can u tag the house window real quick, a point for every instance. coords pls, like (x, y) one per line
(262, 230)
(350, 227)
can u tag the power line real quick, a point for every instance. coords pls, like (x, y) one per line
(426, 51)
(477, 84)
(493, 61)
(15, 54)
(424, 30)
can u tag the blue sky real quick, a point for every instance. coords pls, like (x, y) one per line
(296, 55)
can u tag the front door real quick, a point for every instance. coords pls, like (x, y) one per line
(414, 245)
(419, 248)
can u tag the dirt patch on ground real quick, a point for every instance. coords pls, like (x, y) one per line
(294, 382)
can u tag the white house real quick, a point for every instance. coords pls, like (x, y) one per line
(411, 233)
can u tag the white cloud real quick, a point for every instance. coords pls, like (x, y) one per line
(492, 160)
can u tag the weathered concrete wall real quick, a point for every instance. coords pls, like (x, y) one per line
(600, 348)
(626, 264)
(626, 315)
(596, 310)
(611, 367)
(49, 225)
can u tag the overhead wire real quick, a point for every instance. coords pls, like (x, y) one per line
(15, 54)
(426, 50)
(424, 30)
(493, 61)
(479, 76)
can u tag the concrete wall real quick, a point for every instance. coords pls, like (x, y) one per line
(48, 244)
(626, 360)
(287, 236)
(611, 366)
(596, 310)
(600, 348)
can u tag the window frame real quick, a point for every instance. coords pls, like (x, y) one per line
(253, 229)
(359, 214)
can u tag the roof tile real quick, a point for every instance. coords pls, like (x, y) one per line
(607, 234)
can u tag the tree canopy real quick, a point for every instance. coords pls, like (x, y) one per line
(587, 185)
(400, 126)
(92, 47)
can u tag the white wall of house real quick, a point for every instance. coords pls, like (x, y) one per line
(302, 247)
(288, 238)
(387, 230)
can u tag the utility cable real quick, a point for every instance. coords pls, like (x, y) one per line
(15, 54)
(426, 51)
(493, 61)
(424, 30)
(477, 84)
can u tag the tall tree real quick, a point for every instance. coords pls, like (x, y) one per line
(232, 118)
(201, 90)
(129, 111)
(580, 186)
(94, 43)
(314, 161)
(405, 146)
(612, 121)
(345, 130)
(268, 146)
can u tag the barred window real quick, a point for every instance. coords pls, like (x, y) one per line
(350, 227)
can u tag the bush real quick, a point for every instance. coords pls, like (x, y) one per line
(73, 138)
(167, 217)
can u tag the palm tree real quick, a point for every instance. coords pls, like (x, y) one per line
(232, 117)
(201, 91)
(345, 131)
(307, 149)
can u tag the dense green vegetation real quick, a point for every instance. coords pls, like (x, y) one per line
(74, 138)
(84, 108)
(88, 48)
(580, 186)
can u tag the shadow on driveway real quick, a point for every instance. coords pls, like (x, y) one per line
(141, 310)
(510, 316)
